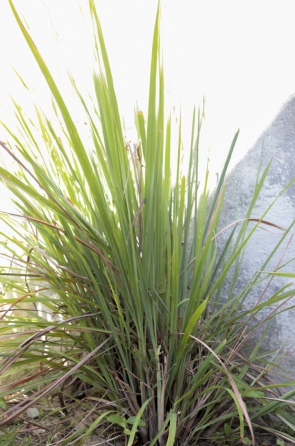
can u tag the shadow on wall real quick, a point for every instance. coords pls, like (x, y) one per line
(277, 143)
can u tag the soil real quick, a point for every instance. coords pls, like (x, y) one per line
(53, 426)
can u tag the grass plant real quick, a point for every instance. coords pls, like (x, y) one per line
(121, 250)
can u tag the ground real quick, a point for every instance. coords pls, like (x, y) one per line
(53, 426)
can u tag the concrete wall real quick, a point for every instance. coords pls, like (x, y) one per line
(277, 142)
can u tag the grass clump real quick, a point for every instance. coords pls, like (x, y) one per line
(120, 249)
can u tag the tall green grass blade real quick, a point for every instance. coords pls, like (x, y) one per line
(136, 422)
(119, 239)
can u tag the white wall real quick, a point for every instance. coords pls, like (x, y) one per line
(239, 54)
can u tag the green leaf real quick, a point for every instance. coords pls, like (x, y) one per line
(227, 429)
(162, 428)
(117, 419)
(91, 428)
(3, 404)
(253, 394)
(137, 421)
(279, 274)
(127, 431)
(190, 327)
(131, 420)
(172, 429)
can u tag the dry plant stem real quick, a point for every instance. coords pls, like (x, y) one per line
(20, 299)
(268, 317)
(234, 223)
(237, 393)
(39, 184)
(89, 245)
(15, 413)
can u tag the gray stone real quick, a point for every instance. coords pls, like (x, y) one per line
(33, 412)
(277, 143)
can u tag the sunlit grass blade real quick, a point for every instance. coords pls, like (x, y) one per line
(118, 277)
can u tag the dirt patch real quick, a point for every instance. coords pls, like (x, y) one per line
(55, 427)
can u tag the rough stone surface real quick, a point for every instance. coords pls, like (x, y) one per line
(277, 143)
(32, 412)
